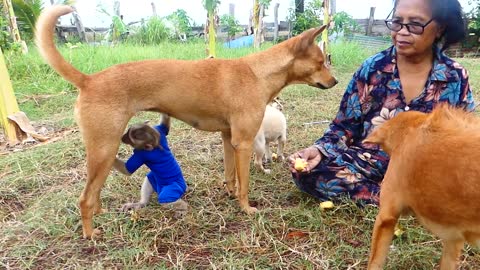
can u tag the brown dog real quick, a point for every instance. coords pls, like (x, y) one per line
(209, 94)
(433, 172)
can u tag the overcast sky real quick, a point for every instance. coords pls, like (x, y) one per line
(134, 10)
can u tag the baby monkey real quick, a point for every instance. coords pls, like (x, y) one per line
(150, 147)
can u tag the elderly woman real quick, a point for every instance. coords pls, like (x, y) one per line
(413, 74)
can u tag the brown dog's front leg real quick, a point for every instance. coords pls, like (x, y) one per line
(229, 163)
(243, 153)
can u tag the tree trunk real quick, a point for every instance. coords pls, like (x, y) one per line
(326, 20)
(299, 6)
(14, 32)
(154, 10)
(231, 9)
(275, 22)
(116, 8)
(211, 34)
(370, 21)
(258, 11)
(79, 25)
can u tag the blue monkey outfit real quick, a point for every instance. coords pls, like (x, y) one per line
(165, 176)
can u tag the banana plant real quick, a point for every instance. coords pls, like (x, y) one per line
(118, 29)
(211, 7)
(259, 7)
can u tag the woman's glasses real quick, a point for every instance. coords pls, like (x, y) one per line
(414, 28)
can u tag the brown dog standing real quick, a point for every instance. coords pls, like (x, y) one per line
(433, 172)
(211, 95)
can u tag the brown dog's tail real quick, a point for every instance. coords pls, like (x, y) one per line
(44, 39)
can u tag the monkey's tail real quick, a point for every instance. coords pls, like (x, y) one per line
(44, 39)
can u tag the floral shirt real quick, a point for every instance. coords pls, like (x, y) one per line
(375, 95)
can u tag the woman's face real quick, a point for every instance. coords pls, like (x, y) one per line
(416, 12)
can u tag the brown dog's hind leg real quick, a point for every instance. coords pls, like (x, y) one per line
(452, 250)
(381, 238)
(229, 163)
(99, 163)
(97, 209)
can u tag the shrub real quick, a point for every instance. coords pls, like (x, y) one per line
(153, 31)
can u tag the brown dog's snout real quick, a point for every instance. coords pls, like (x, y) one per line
(328, 85)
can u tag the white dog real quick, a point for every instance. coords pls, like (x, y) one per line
(273, 128)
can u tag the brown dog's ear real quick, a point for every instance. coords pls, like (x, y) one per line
(439, 117)
(321, 44)
(307, 38)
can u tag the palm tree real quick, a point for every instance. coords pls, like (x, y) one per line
(211, 7)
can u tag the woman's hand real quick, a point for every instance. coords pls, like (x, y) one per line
(311, 155)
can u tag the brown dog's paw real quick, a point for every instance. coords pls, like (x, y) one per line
(96, 233)
(250, 210)
(100, 211)
(230, 188)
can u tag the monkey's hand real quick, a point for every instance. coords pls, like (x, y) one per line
(120, 166)
(132, 206)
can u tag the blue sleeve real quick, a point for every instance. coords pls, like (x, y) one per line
(466, 97)
(347, 125)
(134, 162)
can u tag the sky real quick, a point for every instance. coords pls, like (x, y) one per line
(134, 10)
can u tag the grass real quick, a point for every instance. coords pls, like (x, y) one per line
(39, 189)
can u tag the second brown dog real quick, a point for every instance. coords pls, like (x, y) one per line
(229, 96)
(434, 172)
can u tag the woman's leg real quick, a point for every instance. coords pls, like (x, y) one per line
(354, 174)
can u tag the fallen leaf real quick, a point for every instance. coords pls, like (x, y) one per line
(296, 234)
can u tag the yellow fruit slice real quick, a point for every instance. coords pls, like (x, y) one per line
(398, 231)
(326, 205)
(300, 164)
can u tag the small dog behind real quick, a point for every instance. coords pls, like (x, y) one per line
(272, 129)
(433, 172)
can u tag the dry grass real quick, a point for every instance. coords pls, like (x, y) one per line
(40, 218)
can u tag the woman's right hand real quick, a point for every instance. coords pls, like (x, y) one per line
(310, 154)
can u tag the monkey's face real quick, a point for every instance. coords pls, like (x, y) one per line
(142, 137)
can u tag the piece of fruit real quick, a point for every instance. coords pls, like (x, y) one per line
(326, 205)
(300, 164)
(398, 231)
(134, 215)
(274, 156)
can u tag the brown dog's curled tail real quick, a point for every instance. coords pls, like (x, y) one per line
(44, 39)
